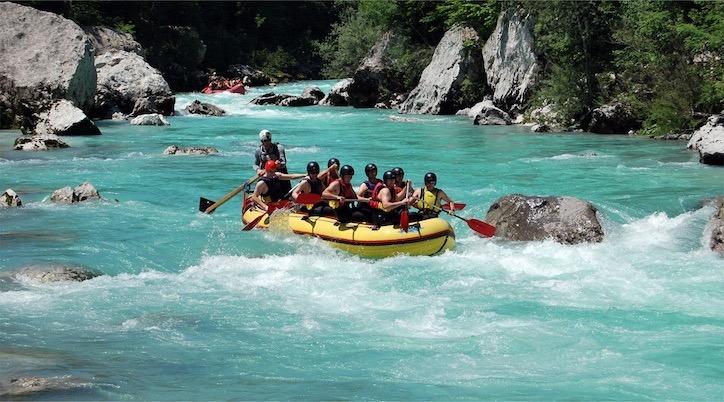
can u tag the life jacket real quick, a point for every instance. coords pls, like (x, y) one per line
(329, 179)
(275, 191)
(271, 155)
(375, 201)
(345, 190)
(428, 200)
(315, 187)
(370, 186)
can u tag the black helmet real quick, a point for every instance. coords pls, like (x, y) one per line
(398, 172)
(370, 167)
(389, 175)
(312, 167)
(332, 161)
(346, 170)
(430, 177)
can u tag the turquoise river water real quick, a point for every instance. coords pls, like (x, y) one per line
(190, 307)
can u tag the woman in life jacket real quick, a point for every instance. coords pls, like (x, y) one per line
(311, 184)
(341, 196)
(430, 198)
(269, 187)
(384, 199)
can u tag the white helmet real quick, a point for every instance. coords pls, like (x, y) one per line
(264, 135)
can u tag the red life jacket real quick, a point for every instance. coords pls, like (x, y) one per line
(375, 201)
(345, 189)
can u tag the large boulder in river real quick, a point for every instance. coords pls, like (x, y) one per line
(566, 220)
(374, 76)
(269, 98)
(510, 62)
(249, 75)
(65, 119)
(717, 225)
(126, 84)
(21, 387)
(614, 118)
(296, 101)
(106, 39)
(10, 199)
(43, 57)
(485, 113)
(151, 119)
(198, 107)
(56, 273)
(709, 141)
(338, 95)
(67, 195)
(456, 58)
(39, 142)
(313, 92)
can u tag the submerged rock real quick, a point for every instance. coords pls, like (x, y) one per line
(486, 113)
(613, 118)
(338, 95)
(39, 143)
(65, 119)
(153, 119)
(510, 61)
(457, 57)
(198, 107)
(717, 225)
(176, 150)
(55, 273)
(709, 141)
(566, 220)
(10, 199)
(27, 385)
(67, 195)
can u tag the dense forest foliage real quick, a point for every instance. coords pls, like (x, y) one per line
(661, 59)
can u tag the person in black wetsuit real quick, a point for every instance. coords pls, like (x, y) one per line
(269, 187)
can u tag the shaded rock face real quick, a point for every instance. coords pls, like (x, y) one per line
(153, 119)
(65, 119)
(510, 62)
(453, 61)
(612, 119)
(313, 92)
(717, 225)
(175, 150)
(198, 107)
(10, 199)
(374, 76)
(44, 57)
(486, 113)
(106, 39)
(249, 76)
(67, 195)
(125, 78)
(55, 273)
(709, 141)
(39, 143)
(566, 220)
(338, 95)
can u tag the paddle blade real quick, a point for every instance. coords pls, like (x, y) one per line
(481, 227)
(251, 225)
(308, 198)
(205, 203)
(405, 220)
(458, 206)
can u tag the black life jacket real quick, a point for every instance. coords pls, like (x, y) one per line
(316, 186)
(275, 191)
(272, 154)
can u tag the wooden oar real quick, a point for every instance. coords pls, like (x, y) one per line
(208, 206)
(476, 225)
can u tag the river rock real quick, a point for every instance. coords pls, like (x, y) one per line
(23, 386)
(338, 95)
(717, 225)
(709, 141)
(269, 98)
(456, 58)
(176, 150)
(10, 199)
(374, 76)
(198, 107)
(45, 57)
(539, 128)
(566, 220)
(56, 273)
(313, 92)
(124, 79)
(547, 115)
(486, 113)
(67, 195)
(510, 61)
(65, 119)
(152, 119)
(249, 75)
(613, 118)
(39, 143)
(105, 39)
(298, 101)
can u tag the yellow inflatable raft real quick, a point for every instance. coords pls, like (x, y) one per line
(427, 237)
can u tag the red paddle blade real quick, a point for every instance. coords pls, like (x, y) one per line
(458, 206)
(251, 225)
(481, 227)
(308, 198)
(404, 220)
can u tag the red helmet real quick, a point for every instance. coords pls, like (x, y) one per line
(270, 166)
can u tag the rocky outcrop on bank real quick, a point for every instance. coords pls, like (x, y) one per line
(486, 113)
(106, 39)
(65, 119)
(614, 118)
(717, 224)
(456, 58)
(338, 95)
(45, 57)
(198, 107)
(511, 65)
(127, 84)
(249, 76)
(68, 195)
(176, 150)
(709, 141)
(565, 220)
(39, 143)
(151, 119)
(375, 77)
(10, 199)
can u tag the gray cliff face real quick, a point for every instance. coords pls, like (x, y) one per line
(44, 57)
(510, 62)
(456, 58)
(106, 39)
(373, 75)
(709, 141)
(566, 220)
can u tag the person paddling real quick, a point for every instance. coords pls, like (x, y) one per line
(431, 198)
(365, 189)
(271, 151)
(339, 192)
(333, 165)
(384, 199)
(401, 188)
(311, 184)
(269, 187)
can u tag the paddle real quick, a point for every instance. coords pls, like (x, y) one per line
(405, 215)
(271, 207)
(457, 207)
(308, 198)
(208, 206)
(476, 225)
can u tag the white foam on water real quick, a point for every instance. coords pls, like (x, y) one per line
(566, 156)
